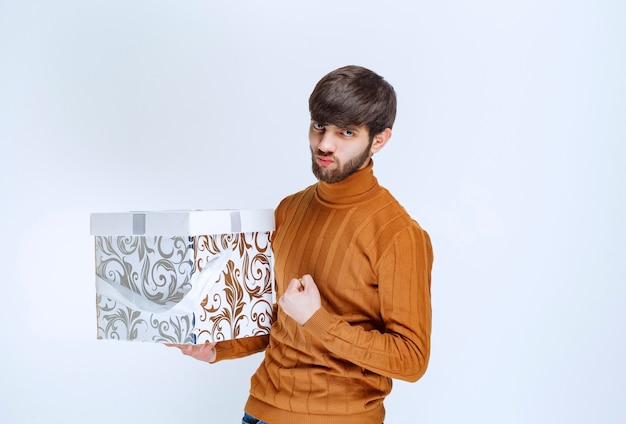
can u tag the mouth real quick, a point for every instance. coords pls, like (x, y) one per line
(324, 160)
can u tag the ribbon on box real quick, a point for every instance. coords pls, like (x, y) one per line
(190, 301)
(235, 222)
(139, 223)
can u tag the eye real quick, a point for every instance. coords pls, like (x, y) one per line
(347, 133)
(318, 126)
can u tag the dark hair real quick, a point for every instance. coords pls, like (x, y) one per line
(354, 95)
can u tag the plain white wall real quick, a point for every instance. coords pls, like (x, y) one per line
(508, 149)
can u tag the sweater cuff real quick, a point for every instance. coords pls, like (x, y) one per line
(320, 323)
(237, 348)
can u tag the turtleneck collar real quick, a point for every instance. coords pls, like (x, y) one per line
(357, 188)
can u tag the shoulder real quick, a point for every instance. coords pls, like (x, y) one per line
(393, 223)
(403, 242)
(389, 213)
(292, 202)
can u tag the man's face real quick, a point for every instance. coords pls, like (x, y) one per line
(337, 152)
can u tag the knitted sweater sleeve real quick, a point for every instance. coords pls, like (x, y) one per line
(238, 348)
(402, 349)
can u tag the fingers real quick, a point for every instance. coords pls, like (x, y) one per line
(305, 281)
(176, 345)
(299, 284)
(199, 351)
(295, 285)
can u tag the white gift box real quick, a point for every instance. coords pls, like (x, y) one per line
(183, 276)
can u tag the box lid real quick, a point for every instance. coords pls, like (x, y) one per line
(182, 222)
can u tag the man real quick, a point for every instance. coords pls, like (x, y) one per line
(352, 274)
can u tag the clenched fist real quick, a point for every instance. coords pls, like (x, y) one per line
(301, 299)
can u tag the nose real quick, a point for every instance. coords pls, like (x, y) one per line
(327, 142)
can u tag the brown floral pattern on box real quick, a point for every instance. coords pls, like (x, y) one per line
(184, 289)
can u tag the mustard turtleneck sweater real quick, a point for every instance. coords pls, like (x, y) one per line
(372, 264)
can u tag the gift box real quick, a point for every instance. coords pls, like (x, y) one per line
(183, 276)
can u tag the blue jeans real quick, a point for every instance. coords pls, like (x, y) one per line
(249, 419)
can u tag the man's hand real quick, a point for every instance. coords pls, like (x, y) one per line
(202, 352)
(301, 299)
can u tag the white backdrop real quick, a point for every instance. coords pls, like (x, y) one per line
(508, 149)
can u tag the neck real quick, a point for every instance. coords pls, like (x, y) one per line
(356, 188)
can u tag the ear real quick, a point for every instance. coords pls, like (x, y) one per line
(380, 140)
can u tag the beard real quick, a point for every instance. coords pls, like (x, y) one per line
(342, 171)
